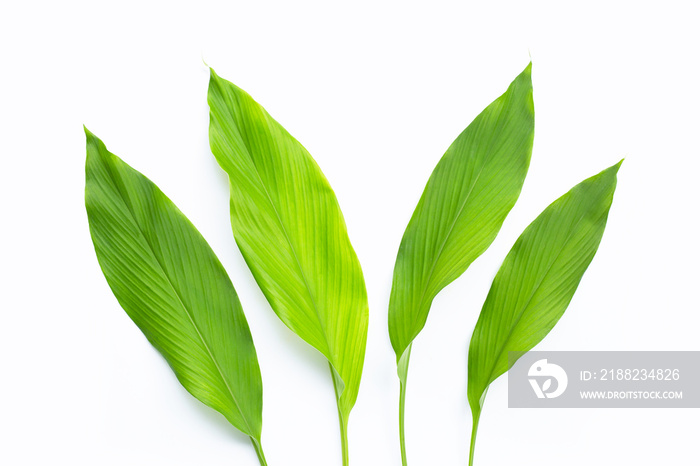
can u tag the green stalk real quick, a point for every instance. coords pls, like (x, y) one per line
(341, 419)
(402, 407)
(403, 369)
(472, 444)
(259, 451)
(344, 439)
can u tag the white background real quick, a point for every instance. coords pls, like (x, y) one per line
(376, 91)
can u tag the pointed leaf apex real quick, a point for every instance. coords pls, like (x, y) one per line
(614, 169)
(524, 78)
(213, 75)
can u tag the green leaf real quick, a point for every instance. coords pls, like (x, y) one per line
(290, 230)
(537, 280)
(170, 283)
(463, 206)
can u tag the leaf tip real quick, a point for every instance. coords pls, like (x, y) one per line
(212, 74)
(90, 138)
(214, 79)
(616, 167)
(525, 77)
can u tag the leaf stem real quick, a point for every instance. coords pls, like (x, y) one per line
(341, 419)
(344, 439)
(402, 407)
(259, 451)
(403, 380)
(472, 443)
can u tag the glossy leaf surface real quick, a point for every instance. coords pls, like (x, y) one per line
(290, 230)
(464, 204)
(537, 280)
(170, 283)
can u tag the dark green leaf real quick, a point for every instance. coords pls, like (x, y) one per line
(463, 206)
(465, 202)
(537, 280)
(173, 287)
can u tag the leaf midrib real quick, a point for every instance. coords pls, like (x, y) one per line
(177, 294)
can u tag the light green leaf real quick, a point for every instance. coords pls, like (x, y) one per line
(537, 280)
(173, 287)
(290, 230)
(463, 206)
